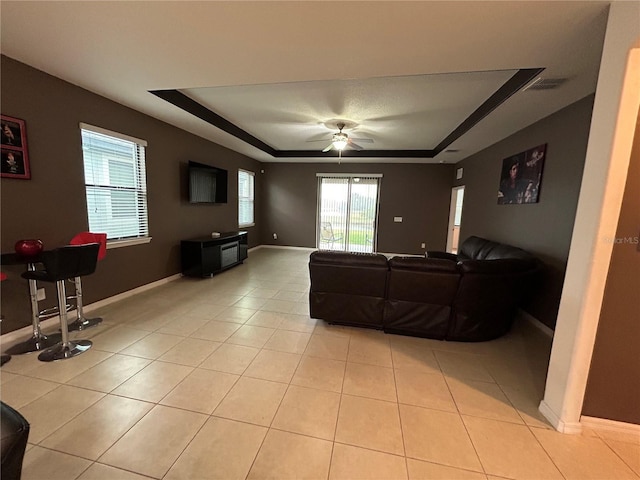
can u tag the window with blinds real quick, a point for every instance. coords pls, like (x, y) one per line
(245, 198)
(115, 182)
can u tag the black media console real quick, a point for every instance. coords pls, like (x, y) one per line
(206, 256)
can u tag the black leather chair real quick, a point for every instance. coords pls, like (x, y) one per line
(14, 432)
(60, 264)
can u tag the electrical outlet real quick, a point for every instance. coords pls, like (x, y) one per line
(422, 245)
(397, 219)
(41, 294)
(275, 236)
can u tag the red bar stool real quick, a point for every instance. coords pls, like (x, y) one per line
(85, 238)
(59, 265)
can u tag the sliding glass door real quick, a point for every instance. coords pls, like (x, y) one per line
(347, 212)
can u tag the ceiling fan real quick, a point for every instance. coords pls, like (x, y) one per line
(341, 140)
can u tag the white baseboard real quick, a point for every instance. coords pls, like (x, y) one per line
(307, 249)
(535, 323)
(9, 339)
(605, 424)
(560, 425)
(311, 249)
(130, 293)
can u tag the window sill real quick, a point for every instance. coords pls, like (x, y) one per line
(126, 243)
(245, 225)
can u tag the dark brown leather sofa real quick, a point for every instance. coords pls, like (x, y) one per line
(14, 431)
(472, 296)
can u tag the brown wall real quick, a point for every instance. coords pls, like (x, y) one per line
(543, 228)
(417, 192)
(613, 387)
(51, 206)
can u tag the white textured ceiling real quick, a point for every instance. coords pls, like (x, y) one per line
(411, 112)
(281, 69)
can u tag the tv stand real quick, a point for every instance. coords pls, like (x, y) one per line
(206, 256)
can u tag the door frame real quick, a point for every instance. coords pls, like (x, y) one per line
(319, 177)
(452, 215)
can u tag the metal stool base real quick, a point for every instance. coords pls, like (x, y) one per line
(62, 352)
(34, 344)
(84, 324)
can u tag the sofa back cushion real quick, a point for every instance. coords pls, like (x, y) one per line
(349, 273)
(349, 259)
(477, 248)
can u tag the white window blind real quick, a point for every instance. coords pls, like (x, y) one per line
(347, 212)
(115, 182)
(245, 198)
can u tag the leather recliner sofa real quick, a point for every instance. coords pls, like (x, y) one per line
(472, 296)
(14, 431)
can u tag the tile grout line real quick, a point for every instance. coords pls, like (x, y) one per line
(484, 470)
(395, 384)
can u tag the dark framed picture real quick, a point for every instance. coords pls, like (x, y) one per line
(15, 157)
(521, 177)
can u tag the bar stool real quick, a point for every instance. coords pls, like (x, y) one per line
(59, 265)
(38, 340)
(84, 238)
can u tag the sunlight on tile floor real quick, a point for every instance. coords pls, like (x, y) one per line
(229, 377)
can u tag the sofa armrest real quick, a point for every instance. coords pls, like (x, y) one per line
(441, 255)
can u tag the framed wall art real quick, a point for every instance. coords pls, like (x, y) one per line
(14, 156)
(521, 177)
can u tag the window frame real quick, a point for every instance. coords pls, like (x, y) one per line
(251, 198)
(140, 189)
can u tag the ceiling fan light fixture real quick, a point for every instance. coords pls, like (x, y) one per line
(340, 140)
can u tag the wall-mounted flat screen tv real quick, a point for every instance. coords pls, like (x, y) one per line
(207, 184)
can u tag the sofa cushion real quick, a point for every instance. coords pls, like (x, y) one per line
(498, 266)
(474, 248)
(422, 264)
(347, 258)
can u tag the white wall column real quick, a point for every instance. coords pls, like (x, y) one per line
(607, 161)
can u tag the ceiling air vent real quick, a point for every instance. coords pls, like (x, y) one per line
(545, 84)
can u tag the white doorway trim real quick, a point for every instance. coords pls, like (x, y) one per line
(613, 123)
(452, 239)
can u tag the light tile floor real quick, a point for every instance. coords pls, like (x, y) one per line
(230, 378)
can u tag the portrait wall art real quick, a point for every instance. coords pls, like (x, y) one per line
(521, 177)
(14, 155)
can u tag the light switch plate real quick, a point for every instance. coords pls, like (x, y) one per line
(397, 219)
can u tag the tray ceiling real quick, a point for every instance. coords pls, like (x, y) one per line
(406, 73)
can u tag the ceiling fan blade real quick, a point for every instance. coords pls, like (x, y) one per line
(363, 140)
(329, 147)
(355, 145)
(320, 140)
